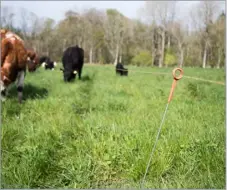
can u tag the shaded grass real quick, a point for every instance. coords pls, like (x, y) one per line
(30, 92)
(98, 132)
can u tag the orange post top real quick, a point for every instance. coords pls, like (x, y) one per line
(176, 78)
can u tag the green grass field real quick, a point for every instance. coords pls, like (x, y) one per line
(99, 132)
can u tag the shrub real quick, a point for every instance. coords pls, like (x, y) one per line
(144, 58)
(170, 58)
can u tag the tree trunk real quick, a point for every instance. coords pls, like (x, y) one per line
(219, 58)
(168, 42)
(144, 42)
(90, 55)
(48, 53)
(161, 60)
(153, 48)
(47, 47)
(38, 46)
(205, 56)
(152, 57)
(120, 58)
(95, 56)
(63, 47)
(80, 42)
(187, 50)
(181, 57)
(100, 56)
(117, 54)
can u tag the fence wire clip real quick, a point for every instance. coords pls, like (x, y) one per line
(176, 78)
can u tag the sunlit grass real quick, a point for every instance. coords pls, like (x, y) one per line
(99, 132)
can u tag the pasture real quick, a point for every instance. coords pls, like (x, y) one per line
(99, 132)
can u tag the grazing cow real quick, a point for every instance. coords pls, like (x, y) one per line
(14, 59)
(121, 70)
(72, 60)
(33, 60)
(47, 63)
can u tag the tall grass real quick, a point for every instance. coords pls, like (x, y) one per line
(98, 132)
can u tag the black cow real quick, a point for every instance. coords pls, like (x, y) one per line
(73, 61)
(47, 63)
(121, 70)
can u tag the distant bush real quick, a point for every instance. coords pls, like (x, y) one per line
(170, 58)
(144, 58)
(127, 58)
(192, 61)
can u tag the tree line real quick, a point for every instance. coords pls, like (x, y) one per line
(108, 37)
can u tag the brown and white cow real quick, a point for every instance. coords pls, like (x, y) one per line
(14, 59)
(33, 60)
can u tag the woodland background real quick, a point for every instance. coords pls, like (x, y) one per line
(107, 36)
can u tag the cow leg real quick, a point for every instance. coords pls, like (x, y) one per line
(20, 85)
(73, 76)
(3, 92)
(79, 73)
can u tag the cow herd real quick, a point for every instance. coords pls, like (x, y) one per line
(16, 59)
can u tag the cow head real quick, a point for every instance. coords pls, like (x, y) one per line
(32, 61)
(68, 74)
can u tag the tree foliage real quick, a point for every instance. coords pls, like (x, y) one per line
(144, 58)
(107, 36)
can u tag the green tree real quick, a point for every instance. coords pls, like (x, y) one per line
(170, 58)
(144, 58)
